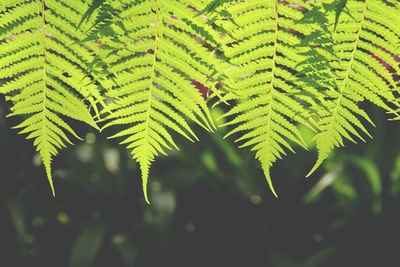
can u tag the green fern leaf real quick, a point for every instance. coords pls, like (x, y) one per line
(44, 76)
(354, 75)
(156, 48)
(261, 46)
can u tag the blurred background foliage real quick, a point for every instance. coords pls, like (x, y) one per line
(211, 205)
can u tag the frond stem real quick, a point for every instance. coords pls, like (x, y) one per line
(44, 128)
(271, 84)
(144, 162)
(153, 67)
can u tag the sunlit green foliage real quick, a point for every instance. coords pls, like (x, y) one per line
(350, 74)
(45, 76)
(150, 58)
(264, 55)
(133, 67)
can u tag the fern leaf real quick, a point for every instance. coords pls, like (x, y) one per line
(151, 56)
(354, 75)
(261, 46)
(45, 77)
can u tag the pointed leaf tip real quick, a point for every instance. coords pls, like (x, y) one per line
(145, 194)
(144, 167)
(50, 179)
(271, 187)
(314, 168)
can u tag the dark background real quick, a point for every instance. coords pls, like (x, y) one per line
(211, 205)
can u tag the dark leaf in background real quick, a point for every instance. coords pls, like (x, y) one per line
(87, 245)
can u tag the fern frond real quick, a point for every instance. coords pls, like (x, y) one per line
(157, 48)
(261, 45)
(366, 31)
(45, 76)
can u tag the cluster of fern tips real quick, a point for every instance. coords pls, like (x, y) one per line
(134, 67)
